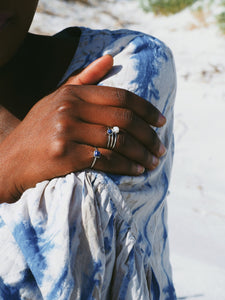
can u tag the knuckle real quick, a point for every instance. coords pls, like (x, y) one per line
(62, 127)
(64, 106)
(127, 116)
(66, 90)
(154, 114)
(58, 148)
(110, 159)
(121, 141)
(123, 97)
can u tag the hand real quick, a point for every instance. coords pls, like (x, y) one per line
(61, 131)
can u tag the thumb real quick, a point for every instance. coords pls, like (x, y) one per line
(93, 73)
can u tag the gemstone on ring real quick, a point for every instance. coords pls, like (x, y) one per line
(116, 129)
(109, 131)
(97, 153)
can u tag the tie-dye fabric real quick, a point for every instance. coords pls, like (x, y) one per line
(92, 235)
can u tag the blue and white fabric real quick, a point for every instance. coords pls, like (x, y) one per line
(92, 235)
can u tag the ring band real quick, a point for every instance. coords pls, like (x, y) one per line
(112, 137)
(96, 154)
(110, 133)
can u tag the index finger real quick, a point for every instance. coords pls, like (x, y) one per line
(93, 73)
(117, 97)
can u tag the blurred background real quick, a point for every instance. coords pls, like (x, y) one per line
(195, 31)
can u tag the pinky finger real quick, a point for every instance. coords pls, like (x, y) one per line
(112, 162)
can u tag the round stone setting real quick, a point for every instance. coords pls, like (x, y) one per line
(97, 154)
(116, 129)
(109, 131)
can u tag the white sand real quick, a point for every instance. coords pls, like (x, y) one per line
(197, 192)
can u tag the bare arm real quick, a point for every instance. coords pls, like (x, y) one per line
(8, 122)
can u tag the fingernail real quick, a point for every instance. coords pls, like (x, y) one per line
(140, 169)
(162, 119)
(162, 150)
(155, 161)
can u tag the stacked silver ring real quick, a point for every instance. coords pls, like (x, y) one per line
(112, 137)
(96, 155)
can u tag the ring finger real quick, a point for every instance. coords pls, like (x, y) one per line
(125, 144)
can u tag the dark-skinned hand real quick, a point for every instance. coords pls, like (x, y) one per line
(61, 131)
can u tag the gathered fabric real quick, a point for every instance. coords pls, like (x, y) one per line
(92, 235)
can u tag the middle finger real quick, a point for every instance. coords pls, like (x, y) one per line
(125, 119)
(125, 144)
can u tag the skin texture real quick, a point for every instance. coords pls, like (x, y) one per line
(60, 132)
(20, 17)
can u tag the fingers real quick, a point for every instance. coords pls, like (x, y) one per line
(93, 73)
(87, 112)
(125, 144)
(115, 163)
(80, 157)
(121, 98)
(108, 161)
(108, 116)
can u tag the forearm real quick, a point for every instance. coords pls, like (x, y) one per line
(8, 122)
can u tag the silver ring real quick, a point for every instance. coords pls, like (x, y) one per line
(112, 137)
(109, 132)
(96, 155)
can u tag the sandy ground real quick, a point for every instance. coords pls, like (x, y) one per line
(197, 192)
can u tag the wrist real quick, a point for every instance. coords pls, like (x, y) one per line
(8, 187)
(6, 195)
(8, 122)
(8, 192)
